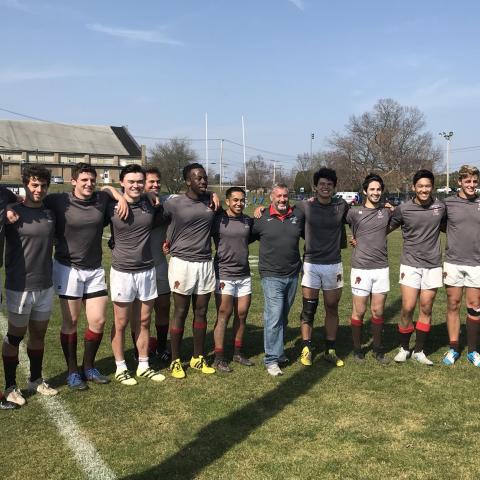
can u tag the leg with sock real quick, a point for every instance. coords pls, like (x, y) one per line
(241, 306)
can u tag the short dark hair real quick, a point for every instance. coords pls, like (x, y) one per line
(83, 168)
(188, 168)
(232, 190)
(131, 168)
(372, 177)
(423, 173)
(35, 171)
(153, 171)
(325, 172)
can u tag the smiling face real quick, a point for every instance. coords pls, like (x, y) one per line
(279, 199)
(152, 183)
(373, 193)
(84, 185)
(197, 181)
(235, 203)
(133, 185)
(468, 185)
(35, 191)
(325, 189)
(423, 190)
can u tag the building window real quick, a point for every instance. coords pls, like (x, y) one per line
(5, 169)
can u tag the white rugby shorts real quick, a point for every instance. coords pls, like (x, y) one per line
(191, 278)
(235, 288)
(461, 275)
(364, 282)
(25, 306)
(322, 277)
(421, 278)
(73, 282)
(125, 287)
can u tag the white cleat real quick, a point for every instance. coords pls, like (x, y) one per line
(274, 370)
(41, 387)
(420, 357)
(402, 355)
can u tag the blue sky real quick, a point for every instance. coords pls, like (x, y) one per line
(291, 67)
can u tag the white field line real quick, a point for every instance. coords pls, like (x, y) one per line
(85, 453)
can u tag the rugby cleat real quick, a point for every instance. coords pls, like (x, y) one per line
(125, 378)
(41, 387)
(199, 364)
(6, 405)
(150, 374)
(75, 382)
(474, 358)
(222, 366)
(306, 356)
(176, 369)
(359, 357)
(331, 357)
(450, 357)
(381, 358)
(93, 375)
(239, 358)
(420, 357)
(402, 355)
(14, 395)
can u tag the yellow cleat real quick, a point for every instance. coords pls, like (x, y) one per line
(125, 378)
(331, 357)
(306, 356)
(199, 364)
(176, 369)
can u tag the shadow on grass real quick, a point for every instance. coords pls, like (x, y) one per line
(220, 436)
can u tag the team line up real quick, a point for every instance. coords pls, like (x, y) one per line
(142, 281)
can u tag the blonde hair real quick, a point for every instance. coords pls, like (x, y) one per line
(467, 170)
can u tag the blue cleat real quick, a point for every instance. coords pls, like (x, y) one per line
(450, 357)
(75, 382)
(474, 358)
(93, 375)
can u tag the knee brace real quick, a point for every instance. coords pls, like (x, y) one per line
(308, 311)
(474, 313)
(13, 340)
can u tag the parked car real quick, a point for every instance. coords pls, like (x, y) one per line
(17, 189)
(56, 179)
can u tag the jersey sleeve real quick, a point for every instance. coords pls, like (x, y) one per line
(397, 218)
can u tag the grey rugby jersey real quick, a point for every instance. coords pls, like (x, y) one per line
(369, 228)
(421, 232)
(28, 259)
(463, 231)
(324, 230)
(232, 236)
(132, 250)
(79, 228)
(190, 228)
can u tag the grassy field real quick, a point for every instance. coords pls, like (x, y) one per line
(358, 422)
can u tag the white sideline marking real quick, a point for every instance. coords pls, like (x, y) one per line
(85, 453)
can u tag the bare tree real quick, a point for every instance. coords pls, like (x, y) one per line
(259, 174)
(389, 140)
(170, 157)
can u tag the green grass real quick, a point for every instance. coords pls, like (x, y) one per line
(359, 422)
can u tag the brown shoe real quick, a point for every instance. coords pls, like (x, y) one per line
(222, 366)
(239, 358)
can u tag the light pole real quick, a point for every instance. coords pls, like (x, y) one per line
(447, 137)
(312, 138)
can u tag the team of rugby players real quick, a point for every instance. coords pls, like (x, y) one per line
(142, 282)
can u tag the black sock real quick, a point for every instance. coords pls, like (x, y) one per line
(10, 370)
(36, 359)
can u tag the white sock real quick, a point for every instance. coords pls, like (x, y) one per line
(121, 365)
(143, 363)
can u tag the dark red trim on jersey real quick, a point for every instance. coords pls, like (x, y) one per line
(274, 213)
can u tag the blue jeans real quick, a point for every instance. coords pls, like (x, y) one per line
(279, 295)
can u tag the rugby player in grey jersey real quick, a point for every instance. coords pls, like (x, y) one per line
(28, 283)
(232, 233)
(369, 275)
(162, 302)
(78, 275)
(6, 197)
(325, 219)
(190, 271)
(421, 220)
(462, 264)
(132, 275)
